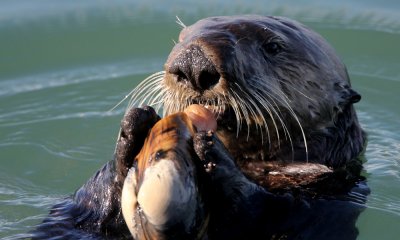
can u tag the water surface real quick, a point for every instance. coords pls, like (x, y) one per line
(64, 64)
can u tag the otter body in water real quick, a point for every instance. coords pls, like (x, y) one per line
(283, 103)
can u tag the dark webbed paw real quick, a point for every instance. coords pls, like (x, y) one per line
(213, 154)
(134, 128)
(233, 196)
(203, 144)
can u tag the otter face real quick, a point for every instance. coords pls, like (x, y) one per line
(161, 196)
(273, 83)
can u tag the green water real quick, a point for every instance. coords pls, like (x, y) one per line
(64, 64)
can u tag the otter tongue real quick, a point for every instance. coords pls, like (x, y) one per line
(201, 117)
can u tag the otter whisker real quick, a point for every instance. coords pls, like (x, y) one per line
(161, 92)
(285, 101)
(165, 98)
(157, 105)
(179, 22)
(255, 115)
(268, 107)
(268, 88)
(171, 108)
(143, 83)
(233, 103)
(144, 98)
(274, 94)
(122, 100)
(242, 109)
(166, 101)
(297, 90)
(300, 126)
(246, 109)
(260, 114)
(189, 101)
(220, 106)
(265, 89)
(150, 95)
(225, 100)
(139, 92)
(182, 99)
(152, 78)
(274, 104)
(159, 99)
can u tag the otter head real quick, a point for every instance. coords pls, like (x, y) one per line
(162, 196)
(274, 84)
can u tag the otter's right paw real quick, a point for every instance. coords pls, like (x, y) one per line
(134, 128)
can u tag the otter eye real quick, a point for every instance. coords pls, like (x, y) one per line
(272, 48)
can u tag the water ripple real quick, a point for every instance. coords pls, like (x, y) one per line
(366, 15)
(18, 193)
(383, 161)
(76, 115)
(390, 204)
(76, 76)
(15, 191)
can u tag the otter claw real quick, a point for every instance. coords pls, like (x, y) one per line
(209, 166)
(210, 133)
(203, 141)
(203, 144)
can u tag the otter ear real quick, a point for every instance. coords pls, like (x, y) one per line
(353, 96)
(348, 96)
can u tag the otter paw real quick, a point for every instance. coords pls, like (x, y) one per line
(138, 120)
(134, 128)
(203, 143)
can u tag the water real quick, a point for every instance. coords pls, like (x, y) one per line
(64, 64)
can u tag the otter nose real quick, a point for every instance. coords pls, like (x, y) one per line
(194, 68)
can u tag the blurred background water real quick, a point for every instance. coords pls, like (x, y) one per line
(64, 64)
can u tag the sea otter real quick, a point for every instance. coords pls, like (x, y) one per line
(283, 102)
